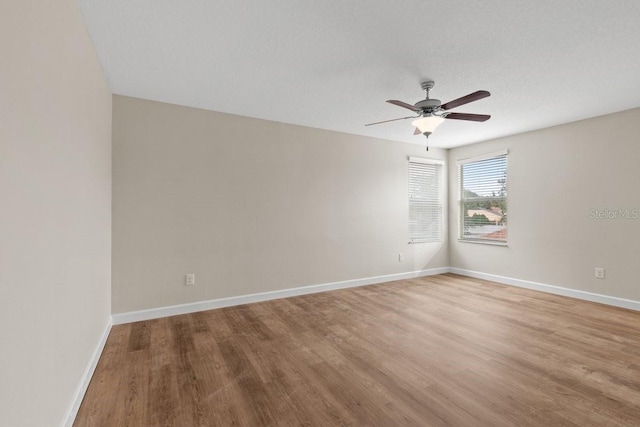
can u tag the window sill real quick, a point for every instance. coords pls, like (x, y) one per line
(483, 242)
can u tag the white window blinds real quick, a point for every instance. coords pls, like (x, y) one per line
(425, 200)
(482, 185)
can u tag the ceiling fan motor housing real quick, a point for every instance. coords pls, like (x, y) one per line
(428, 105)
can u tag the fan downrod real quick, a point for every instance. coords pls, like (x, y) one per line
(428, 105)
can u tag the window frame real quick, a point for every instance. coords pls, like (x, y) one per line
(461, 199)
(439, 203)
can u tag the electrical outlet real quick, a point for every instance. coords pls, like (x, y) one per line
(190, 279)
(400, 257)
(599, 273)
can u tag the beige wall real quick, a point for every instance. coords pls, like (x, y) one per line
(556, 177)
(251, 206)
(55, 192)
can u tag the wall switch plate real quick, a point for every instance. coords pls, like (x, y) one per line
(599, 273)
(400, 257)
(190, 279)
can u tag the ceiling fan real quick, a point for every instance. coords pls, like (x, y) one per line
(432, 112)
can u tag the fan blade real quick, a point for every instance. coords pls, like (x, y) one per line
(465, 99)
(417, 132)
(392, 120)
(466, 116)
(404, 105)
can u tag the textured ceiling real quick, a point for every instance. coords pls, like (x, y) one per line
(331, 64)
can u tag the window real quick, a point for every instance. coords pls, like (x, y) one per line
(482, 185)
(425, 200)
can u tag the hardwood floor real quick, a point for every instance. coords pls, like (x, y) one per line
(434, 351)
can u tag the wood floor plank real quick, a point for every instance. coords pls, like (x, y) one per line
(435, 351)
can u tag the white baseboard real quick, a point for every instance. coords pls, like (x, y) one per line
(557, 290)
(155, 313)
(72, 411)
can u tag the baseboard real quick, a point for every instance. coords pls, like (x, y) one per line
(557, 290)
(155, 313)
(72, 411)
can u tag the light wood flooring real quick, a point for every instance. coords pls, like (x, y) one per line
(433, 351)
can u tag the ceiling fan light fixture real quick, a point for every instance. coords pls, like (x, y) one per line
(427, 124)
(432, 112)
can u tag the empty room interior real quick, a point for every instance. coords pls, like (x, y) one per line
(319, 213)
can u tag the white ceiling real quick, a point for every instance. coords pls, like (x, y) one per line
(331, 64)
